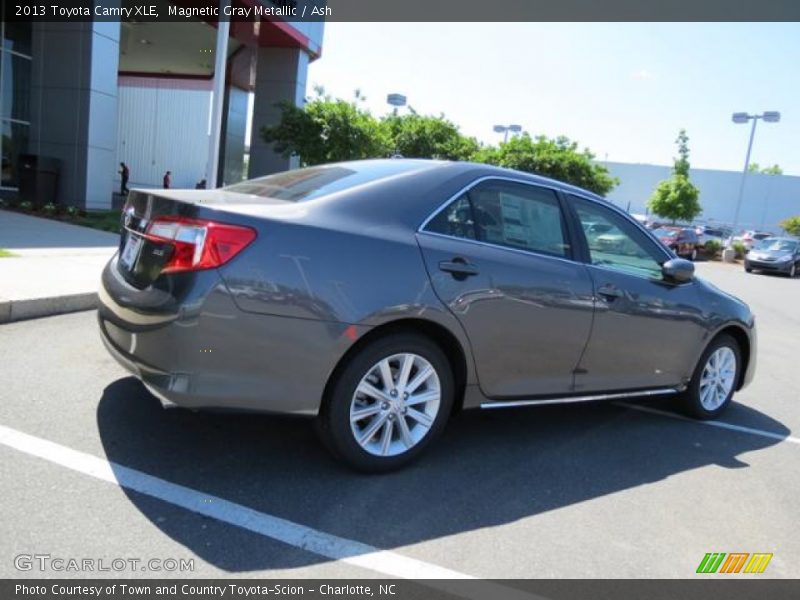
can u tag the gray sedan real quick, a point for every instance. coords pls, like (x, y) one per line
(380, 297)
(778, 255)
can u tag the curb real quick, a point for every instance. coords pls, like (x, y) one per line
(20, 310)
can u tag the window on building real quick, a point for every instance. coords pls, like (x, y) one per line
(15, 93)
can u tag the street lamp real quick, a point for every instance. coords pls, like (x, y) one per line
(504, 129)
(396, 100)
(770, 116)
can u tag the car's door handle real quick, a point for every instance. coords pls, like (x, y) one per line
(609, 292)
(458, 268)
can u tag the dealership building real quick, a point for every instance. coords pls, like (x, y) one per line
(766, 199)
(81, 97)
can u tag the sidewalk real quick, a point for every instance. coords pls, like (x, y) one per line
(55, 268)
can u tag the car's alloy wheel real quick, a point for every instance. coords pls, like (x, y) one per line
(388, 403)
(395, 404)
(714, 380)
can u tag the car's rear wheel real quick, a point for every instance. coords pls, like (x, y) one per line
(388, 403)
(714, 380)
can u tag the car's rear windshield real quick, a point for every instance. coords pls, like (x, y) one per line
(666, 232)
(314, 182)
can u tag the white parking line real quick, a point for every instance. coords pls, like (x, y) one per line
(288, 532)
(720, 424)
(308, 539)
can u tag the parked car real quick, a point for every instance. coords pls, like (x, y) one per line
(708, 233)
(775, 254)
(750, 237)
(379, 297)
(682, 241)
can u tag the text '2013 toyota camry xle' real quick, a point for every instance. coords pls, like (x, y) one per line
(380, 296)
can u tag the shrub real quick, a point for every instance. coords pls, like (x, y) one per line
(26, 205)
(49, 209)
(712, 248)
(740, 249)
(73, 211)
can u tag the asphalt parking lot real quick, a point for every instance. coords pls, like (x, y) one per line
(91, 466)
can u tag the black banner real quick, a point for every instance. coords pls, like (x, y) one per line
(403, 10)
(714, 587)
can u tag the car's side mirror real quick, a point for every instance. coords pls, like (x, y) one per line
(679, 270)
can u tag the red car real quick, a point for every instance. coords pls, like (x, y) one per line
(683, 241)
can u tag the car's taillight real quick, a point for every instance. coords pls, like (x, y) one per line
(198, 244)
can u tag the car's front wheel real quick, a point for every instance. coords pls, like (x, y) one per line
(714, 380)
(389, 402)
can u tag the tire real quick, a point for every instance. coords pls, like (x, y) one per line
(792, 271)
(748, 269)
(385, 410)
(701, 402)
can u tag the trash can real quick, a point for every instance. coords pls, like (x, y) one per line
(38, 178)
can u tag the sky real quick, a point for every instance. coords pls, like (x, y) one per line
(622, 90)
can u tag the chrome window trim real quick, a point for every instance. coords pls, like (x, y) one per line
(558, 191)
(474, 183)
(466, 188)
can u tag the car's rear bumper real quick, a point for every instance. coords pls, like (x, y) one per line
(208, 354)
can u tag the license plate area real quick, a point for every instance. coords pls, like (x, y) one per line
(130, 251)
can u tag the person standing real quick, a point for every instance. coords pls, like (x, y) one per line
(124, 174)
(167, 179)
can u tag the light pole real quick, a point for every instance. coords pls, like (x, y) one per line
(504, 129)
(396, 100)
(770, 116)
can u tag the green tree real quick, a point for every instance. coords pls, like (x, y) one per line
(677, 198)
(419, 136)
(791, 225)
(558, 158)
(327, 130)
(773, 170)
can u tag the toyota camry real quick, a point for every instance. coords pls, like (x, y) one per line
(379, 297)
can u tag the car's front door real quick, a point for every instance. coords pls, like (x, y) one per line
(499, 257)
(646, 330)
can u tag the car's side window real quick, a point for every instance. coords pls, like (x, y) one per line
(520, 216)
(505, 213)
(455, 220)
(616, 243)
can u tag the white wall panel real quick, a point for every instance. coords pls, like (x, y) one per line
(767, 198)
(163, 125)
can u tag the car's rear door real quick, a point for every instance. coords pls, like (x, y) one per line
(499, 256)
(646, 330)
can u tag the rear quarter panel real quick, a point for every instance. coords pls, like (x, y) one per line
(365, 278)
